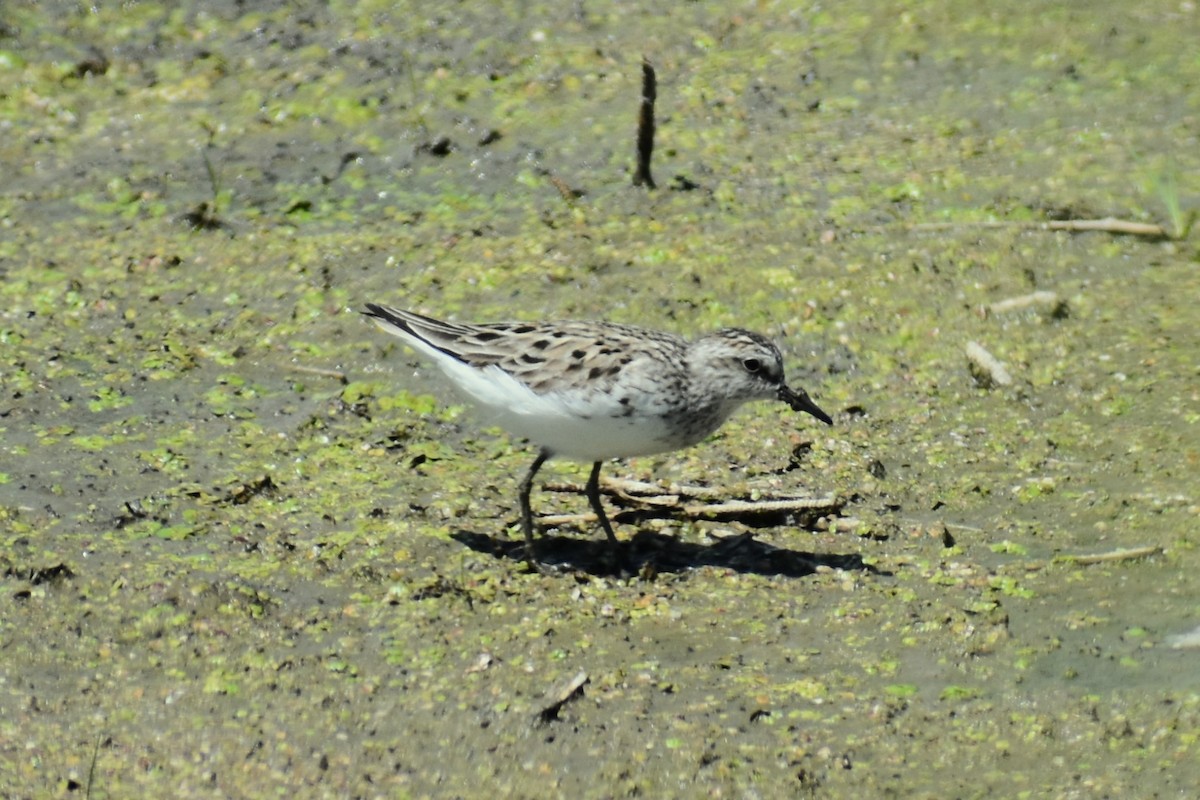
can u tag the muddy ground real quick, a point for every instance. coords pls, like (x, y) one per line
(250, 546)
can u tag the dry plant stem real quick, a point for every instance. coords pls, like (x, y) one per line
(1106, 225)
(337, 375)
(572, 690)
(645, 491)
(987, 366)
(645, 131)
(568, 194)
(737, 507)
(1022, 302)
(1115, 555)
(652, 495)
(1182, 641)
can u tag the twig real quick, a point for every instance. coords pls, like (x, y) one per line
(750, 507)
(986, 368)
(1180, 641)
(558, 520)
(1022, 302)
(1114, 555)
(336, 374)
(645, 130)
(87, 794)
(1107, 225)
(214, 183)
(568, 194)
(642, 490)
(574, 688)
(713, 502)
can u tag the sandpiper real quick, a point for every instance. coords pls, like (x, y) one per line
(591, 391)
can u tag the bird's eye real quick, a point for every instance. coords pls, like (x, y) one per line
(752, 365)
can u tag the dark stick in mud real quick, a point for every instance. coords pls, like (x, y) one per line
(645, 132)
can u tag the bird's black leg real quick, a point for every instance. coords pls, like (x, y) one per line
(525, 488)
(593, 495)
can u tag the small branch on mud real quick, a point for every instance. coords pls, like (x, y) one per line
(1106, 225)
(645, 130)
(1182, 641)
(568, 194)
(336, 374)
(573, 689)
(986, 368)
(1025, 301)
(696, 502)
(1113, 555)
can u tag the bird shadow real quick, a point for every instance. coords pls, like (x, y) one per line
(651, 552)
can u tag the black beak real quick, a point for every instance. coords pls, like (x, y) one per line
(800, 401)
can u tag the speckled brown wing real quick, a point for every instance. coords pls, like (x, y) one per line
(594, 369)
(566, 356)
(556, 356)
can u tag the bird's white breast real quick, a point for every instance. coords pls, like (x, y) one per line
(575, 425)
